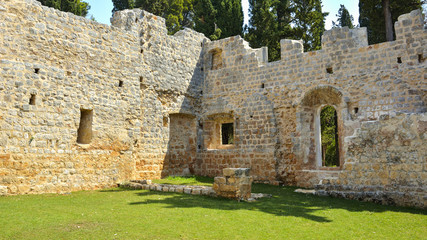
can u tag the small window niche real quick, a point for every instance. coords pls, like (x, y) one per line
(36, 70)
(227, 134)
(120, 83)
(330, 70)
(216, 59)
(219, 131)
(399, 60)
(262, 85)
(32, 99)
(84, 133)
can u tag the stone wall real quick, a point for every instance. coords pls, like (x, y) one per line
(54, 65)
(86, 105)
(385, 162)
(276, 105)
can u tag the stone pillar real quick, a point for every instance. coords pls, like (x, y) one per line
(235, 184)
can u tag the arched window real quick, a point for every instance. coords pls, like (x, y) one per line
(329, 137)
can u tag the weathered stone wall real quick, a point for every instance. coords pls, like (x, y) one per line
(385, 162)
(131, 76)
(155, 105)
(276, 105)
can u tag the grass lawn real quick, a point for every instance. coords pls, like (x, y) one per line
(141, 214)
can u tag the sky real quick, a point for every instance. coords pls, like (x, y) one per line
(101, 10)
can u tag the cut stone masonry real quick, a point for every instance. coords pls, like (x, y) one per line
(85, 106)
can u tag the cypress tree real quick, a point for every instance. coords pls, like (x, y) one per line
(309, 22)
(344, 18)
(371, 15)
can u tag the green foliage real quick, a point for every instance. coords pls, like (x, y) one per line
(214, 18)
(371, 15)
(328, 122)
(190, 180)
(263, 29)
(205, 18)
(272, 20)
(344, 18)
(229, 17)
(143, 214)
(76, 7)
(309, 22)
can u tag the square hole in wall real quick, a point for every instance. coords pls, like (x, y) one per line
(399, 60)
(330, 70)
(420, 58)
(36, 70)
(356, 110)
(120, 83)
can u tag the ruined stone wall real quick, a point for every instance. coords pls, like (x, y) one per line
(385, 162)
(275, 105)
(54, 65)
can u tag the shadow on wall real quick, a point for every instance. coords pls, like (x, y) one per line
(184, 131)
(285, 202)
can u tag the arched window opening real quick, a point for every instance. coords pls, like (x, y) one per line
(329, 137)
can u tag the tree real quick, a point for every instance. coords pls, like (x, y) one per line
(329, 133)
(205, 19)
(229, 17)
(178, 13)
(122, 5)
(344, 18)
(309, 21)
(372, 15)
(76, 7)
(263, 27)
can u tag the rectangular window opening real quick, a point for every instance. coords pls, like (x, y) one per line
(84, 133)
(262, 85)
(329, 70)
(227, 133)
(32, 99)
(399, 60)
(36, 70)
(356, 110)
(120, 83)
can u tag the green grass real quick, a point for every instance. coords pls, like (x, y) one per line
(141, 214)
(193, 180)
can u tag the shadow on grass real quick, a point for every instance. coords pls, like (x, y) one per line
(284, 202)
(119, 189)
